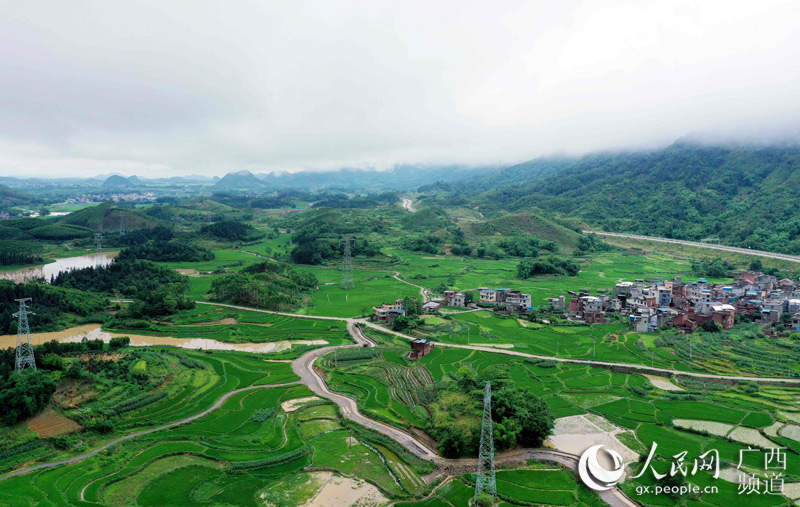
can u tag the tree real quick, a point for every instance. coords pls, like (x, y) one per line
(24, 393)
(412, 307)
(756, 265)
(119, 342)
(451, 441)
(52, 362)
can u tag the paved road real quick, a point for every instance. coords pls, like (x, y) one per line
(747, 251)
(94, 452)
(304, 367)
(636, 367)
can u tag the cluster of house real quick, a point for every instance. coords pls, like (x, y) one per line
(511, 301)
(688, 305)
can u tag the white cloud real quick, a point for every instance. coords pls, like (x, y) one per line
(187, 87)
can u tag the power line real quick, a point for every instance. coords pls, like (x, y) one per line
(347, 263)
(485, 480)
(24, 346)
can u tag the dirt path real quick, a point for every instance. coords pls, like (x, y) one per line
(407, 205)
(422, 290)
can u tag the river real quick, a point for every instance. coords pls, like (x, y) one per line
(60, 265)
(93, 331)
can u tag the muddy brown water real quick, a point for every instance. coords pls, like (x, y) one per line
(47, 271)
(94, 331)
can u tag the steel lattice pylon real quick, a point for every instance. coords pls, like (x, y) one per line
(24, 347)
(347, 263)
(98, 239)
(485, 481)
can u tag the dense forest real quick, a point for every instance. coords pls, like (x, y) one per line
(520, 418)
(19, 252)
(158, 289)
(167, 251)
(55, 307)
(269, 285)
(745, 196)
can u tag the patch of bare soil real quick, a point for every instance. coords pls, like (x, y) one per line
(339, 490)
(292, 405)
(50, 423)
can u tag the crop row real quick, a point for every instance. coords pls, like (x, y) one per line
(138, 402)
(268, 462)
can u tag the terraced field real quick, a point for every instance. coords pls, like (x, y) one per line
(228, 325)
(235, 455)
(542, 485)
(384, 389)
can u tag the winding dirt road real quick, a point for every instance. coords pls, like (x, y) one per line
(746, 251)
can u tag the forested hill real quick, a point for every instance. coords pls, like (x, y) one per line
(743, 196)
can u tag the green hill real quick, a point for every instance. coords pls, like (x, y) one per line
(242, 180)
(744, 196)
(12, 197)
(525, 223)
(106, 217)
(116, 181)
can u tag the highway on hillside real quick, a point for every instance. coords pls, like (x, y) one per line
(746, 251)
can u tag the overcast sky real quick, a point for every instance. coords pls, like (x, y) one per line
(182, 87)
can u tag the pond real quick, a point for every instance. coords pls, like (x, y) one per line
(47, 271)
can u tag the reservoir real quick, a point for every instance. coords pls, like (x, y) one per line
(47, 271)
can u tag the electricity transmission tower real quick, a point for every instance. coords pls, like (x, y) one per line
(24, 347)
(122, 224)
(485, 481)
(347, 263)
(98, 239)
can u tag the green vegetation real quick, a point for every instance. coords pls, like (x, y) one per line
(159, 290)
(23, 393)
(236, 455)
(270, 285)
(741, 195)
(19, 252)
(231, 231)
(55, 307)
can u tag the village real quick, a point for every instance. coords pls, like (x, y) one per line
(649, 306)
(686, 306)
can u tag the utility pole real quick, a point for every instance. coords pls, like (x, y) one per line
(594, 348)
(485, 480)
(24, 346)
(347, 263)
